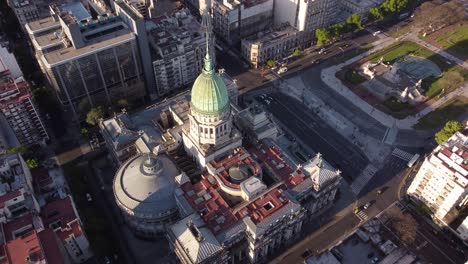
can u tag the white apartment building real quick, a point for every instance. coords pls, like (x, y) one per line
(361, 7)
(294, 27)
(442, 180)
(177, 48)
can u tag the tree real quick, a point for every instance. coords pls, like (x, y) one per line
(353, 22)
(296, 52)
(32, 163)
(450, 128)
(336, 30)
(93, 116)
(322, 35)
(20, 149)
(375, 14)
(84, 132)
(404, 225)
(433, 15)
(270, 63)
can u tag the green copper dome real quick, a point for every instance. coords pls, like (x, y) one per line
(209, 92)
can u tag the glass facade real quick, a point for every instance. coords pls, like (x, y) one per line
(102, 77)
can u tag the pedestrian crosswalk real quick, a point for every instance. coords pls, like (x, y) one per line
(361, 215)
(402, 154)
(363, 179)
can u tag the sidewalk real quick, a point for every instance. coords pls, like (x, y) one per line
(328, 76)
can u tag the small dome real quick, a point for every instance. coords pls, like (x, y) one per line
(209, 92)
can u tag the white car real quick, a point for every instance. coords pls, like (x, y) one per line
(367, 205)
(89, 198)
(376, 33)
(282, 70)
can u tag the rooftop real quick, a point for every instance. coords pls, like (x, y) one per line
(219, 216)
(453, 154)
(145, 185)
(25, 247)
(277, 163)
(58, 213)
(235, 167)
(272, 36)
(18, 227)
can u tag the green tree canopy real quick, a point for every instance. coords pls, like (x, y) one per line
(20, 149)
(375, 14)
(354, 22)
(32, 163)
(323, 36)
(296, 52)
(93, 116)
(450, 128)
(270, 63)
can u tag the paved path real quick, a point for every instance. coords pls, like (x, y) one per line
(328, 76)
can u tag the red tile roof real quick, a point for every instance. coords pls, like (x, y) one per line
(41, 177)
(23, 248)
(236, 158)
(17, 224)
(269, 155)
(50, 245)
(60, 216)
(219, 216)
(9, 196)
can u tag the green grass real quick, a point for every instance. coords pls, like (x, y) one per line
(353, 77)
(453, 76)
(94, 222)
(394, 105)
(455, 41)
(401, 31)
(450, 110)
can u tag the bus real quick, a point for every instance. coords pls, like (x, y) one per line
(413, 160)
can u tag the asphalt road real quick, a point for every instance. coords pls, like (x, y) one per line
(318, 135)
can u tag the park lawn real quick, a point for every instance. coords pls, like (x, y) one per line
(450, 110)
(453, 76)
(454, 39)
(401, 31)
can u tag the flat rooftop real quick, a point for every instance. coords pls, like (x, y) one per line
(97, 44)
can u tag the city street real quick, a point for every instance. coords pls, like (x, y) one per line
(309, 129)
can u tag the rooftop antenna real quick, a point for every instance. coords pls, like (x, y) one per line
(207, 28)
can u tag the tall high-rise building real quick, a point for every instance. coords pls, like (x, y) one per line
(442, 181)
(90, 61)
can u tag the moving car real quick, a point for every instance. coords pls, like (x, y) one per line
(282, 70)
(367, 205)
(89, 198)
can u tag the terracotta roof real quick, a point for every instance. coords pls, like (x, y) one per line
(41, 177)
(271, 156)
(60, 216)
(17, 224)
(8, 196)
(23, 248)
(50, 246)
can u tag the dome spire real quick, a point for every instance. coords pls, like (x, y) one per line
(207, 27)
